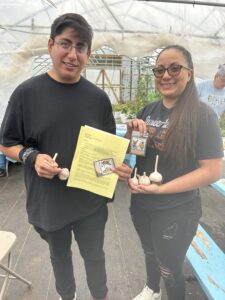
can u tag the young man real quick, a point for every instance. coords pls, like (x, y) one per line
(43, 117)
(213, 91)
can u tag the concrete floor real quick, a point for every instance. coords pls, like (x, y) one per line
(124, 257)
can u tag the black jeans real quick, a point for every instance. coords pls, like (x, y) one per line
(165, 237)
(89, 234)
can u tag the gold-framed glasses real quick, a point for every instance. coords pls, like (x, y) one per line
(173, 70)
(67, 46)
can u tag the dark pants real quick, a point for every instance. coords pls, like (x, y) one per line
(89, 234)
(165, 236)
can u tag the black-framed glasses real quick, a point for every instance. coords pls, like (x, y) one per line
(173, 70)
(67, 46)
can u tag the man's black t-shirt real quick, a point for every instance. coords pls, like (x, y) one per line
(208, 146)
(47, 115)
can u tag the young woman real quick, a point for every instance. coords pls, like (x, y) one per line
(185, 134)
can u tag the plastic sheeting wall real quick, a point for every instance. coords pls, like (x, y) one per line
(131, 28)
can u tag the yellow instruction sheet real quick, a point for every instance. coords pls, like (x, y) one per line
(95, 153)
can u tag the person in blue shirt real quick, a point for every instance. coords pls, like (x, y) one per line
(213, 91)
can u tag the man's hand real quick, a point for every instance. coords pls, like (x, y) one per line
(46, 166)
(123, 171)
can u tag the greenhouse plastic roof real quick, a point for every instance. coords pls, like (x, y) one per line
(132, 28)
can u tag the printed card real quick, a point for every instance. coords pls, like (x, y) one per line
(104, 166)
(138, 143)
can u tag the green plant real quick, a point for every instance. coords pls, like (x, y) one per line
(153, 96)
(132, 108)
(145, 93)
(122, 107)
(144, 96)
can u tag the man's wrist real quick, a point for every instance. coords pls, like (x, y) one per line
(28, 155)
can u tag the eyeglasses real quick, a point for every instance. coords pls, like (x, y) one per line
(173, 70)
(68, 46)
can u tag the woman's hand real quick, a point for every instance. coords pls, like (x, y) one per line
(135, 124)
(46, 167)
(208, 171)
(143, 189)
(123, 171)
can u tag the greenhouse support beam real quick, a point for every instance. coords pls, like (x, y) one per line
(24, 29)
(188, 2)
(50, 3)
(113, 16)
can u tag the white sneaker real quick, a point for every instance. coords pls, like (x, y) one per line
(73, 298)
(148, 294)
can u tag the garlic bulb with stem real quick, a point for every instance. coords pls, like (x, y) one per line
(155, 176)
(134, 178)
(55, 156)
(64, 174)
(144, 179)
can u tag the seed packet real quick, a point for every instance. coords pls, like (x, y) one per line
(138, 143)
(104, 166)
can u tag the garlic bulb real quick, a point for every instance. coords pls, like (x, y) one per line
(64, 174)
(144, 179)
(155, 176)
(134, 179)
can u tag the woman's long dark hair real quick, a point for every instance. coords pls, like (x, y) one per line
(180, 140)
